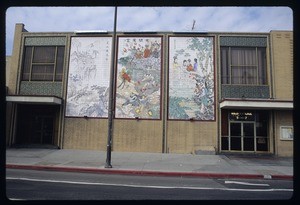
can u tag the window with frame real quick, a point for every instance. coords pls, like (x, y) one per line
(243, 65)
(43, 63)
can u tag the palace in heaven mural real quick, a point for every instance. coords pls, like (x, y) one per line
(88, 79)
(191, 78)
(138, 84)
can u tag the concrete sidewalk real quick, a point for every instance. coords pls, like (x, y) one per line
(214, 166)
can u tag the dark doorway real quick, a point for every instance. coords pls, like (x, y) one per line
(36, 124)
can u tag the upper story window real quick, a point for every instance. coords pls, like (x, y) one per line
(43, 63)
(243, 65)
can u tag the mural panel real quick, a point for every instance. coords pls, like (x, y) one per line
(191, 78)
(88, 79)
(138, 83)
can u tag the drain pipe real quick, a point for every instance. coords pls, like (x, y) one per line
(272, 92)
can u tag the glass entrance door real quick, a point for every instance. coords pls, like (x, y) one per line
(248, 136)
(242, 135)
(235, 136)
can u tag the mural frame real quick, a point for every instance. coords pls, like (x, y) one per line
(213, 70)
(68, 74)
(117, 72)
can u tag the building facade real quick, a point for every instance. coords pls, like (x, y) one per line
(193, 93)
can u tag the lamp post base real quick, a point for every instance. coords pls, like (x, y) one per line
(108, 166)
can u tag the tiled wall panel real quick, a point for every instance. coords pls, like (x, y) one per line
(41, 88)
(238, 91)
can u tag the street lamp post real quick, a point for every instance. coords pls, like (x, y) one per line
(111, 94)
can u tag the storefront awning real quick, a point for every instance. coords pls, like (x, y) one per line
(256, 104)
(34, 99)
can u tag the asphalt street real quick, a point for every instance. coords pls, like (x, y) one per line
(51, 185)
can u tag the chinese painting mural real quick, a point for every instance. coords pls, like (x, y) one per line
(191, 78)
(88, 79)
(138, 77)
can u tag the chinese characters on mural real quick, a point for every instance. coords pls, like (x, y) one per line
(191, 78)
(88, 79)
(138, 77)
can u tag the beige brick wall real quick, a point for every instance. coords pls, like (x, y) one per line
(7, 69)
(12, 72)
(283, 147)
(189, 137)
(141, 135)
(80, 133)
(128, 135)
(137, 135)
(282, 66)
(15, 60)
(8, 105)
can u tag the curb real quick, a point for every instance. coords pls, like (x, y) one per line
(147, 173)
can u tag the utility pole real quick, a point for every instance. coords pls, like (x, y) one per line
(194, 22)
(111, 94)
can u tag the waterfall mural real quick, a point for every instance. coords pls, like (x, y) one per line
(191, 78)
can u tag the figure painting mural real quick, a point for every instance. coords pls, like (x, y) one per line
(138, 83)
(191, 78)
(88, 79)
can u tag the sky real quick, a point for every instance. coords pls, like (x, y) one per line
(177, 19)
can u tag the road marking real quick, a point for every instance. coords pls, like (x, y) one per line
(144, 186)
(245, 183)
(15, 199)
